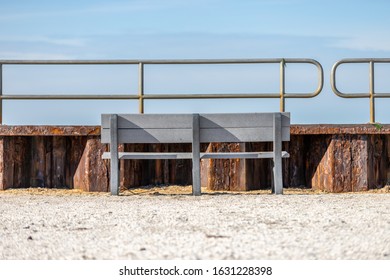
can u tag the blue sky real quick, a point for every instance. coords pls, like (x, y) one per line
(154, 29)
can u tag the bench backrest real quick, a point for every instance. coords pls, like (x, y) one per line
(178, 128)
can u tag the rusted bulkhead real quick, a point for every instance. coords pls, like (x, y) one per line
(334, 158)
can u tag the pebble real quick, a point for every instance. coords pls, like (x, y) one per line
(283, 227)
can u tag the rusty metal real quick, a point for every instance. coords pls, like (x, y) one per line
(371, 94)
(1, 93)
(282, 85)
(141, 88)
(141, 96)
(333, 158)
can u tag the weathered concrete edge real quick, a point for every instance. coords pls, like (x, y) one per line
(297, 129)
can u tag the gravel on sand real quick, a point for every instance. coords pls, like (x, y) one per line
(219, 226)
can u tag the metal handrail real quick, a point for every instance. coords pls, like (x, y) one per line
(371, 94)
(141, 96)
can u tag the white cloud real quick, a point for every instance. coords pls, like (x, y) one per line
(33, 56)
(70, 42)
(111, 7)
(364, 43)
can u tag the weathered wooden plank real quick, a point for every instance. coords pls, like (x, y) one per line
(157, 166)
(98, 168)
(133, 172)
(7, 162)
(359, 152)
(165, 166)
(313, 156)
(377, 162)
(38, 161)
(48, 175)
(15, 162)
(345, 164)
(342, 159)
(21, 161)
(180, 169)
(319, 164)
(258, 172)
(294, 166)
(59, 162)
(77, 147)
(92, 171)
(227, 174)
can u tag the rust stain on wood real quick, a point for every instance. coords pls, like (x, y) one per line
(31, 130)
(322, 129)
(333, 158)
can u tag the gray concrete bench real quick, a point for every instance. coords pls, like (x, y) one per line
(195, 129)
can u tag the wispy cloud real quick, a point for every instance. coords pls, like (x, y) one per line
(111, 7)
(69, 42)
(33, 55)
(378, 43)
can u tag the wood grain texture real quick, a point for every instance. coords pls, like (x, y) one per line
(311, 164)
(91, 173)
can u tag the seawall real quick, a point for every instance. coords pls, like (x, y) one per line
(334, 158)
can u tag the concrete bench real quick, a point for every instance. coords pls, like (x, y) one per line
(195, 128)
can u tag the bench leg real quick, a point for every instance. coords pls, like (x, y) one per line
(196, 190)
(114, 161)
(114, 178)
(277, 176)
(277, 172)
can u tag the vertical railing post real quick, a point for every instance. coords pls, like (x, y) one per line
(141, 88)
(372, 93)
(1, 93)
(282, 85)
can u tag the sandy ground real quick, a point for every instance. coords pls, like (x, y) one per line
(157, 223)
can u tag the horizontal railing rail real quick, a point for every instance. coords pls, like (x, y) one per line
(371, 94)
(141, 96)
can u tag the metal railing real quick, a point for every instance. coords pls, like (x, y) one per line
(141, 96)
(371, 94)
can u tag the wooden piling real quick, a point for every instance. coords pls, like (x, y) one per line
(332, 158)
